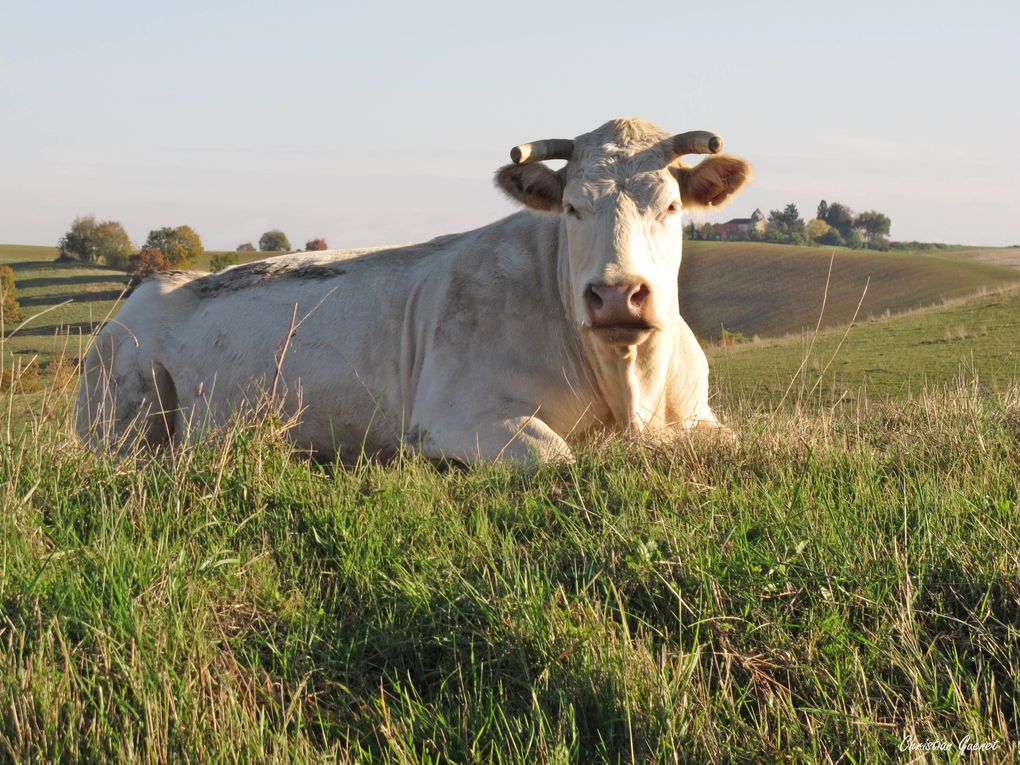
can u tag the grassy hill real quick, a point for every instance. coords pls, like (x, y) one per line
(757, 289)
(774, 289)
(842, 577)
(882, 359)
(62, 302)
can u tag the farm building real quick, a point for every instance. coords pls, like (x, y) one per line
(741, 228)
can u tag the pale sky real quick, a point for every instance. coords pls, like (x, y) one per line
(385, 124)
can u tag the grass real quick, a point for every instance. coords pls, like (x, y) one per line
(841, 578)
(834, 583)
(885, 359)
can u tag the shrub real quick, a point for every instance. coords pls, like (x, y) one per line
(62, 370)
(816, 229)
(18, 378)
(223, 260)
(10, 309)
(246, 247)
(853, 239)
(832, 237)
(728, 338)
(148, 262)
(315, 244)
(180, 246)
(274, 241)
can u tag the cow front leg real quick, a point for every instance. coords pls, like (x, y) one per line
(525, 440)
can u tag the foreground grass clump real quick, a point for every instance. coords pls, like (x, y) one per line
(833, 584)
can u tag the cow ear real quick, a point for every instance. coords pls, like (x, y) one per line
(533, 185)
(713, 181)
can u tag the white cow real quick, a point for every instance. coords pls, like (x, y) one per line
(509, 341)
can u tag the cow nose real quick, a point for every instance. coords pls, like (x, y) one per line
(613, 304)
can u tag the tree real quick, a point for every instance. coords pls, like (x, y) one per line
(823, 211)
(91, 242)
(274, 241)
(874, 224)
(315, 244)
(113, 246)
(223, 260)
(709, 232)
(785, 225)
(246, 247)
(841, 218)
(147, 262)
(816, 229)
(180, 247)
(80, 241)
(10, 309)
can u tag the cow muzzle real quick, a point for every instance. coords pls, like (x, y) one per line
(619, 314)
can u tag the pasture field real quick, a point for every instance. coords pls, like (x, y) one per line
(842, 577)
(974, 339)
(775, 289)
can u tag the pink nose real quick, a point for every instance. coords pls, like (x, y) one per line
(616, 304)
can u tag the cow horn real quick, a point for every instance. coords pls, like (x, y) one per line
(553, 148)
(695, 142)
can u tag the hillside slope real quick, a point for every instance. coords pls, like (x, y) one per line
(757, 289)
(771, 289)
(889, 358)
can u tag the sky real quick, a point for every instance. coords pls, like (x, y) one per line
(373, 125)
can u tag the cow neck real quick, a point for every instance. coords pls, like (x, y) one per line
(628, 383)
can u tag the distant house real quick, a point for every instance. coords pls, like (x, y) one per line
(741, 228)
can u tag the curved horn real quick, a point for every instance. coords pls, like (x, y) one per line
(536, 151)
(695, 142)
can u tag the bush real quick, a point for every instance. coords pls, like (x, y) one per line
(223, 260)
(10, 309)
(62, 371)
(728, 338)
(816, 229)
(18, 378)
(314, 245)
(832, 237)
(181, 246)
(148, 262)
(90, 242)
(246, 247)
(274, 241)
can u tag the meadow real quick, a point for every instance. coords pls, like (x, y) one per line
(840, 581)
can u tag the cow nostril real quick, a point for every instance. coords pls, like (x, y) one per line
(594, 300)
(639, 296)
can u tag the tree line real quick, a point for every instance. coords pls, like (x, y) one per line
(834, 224)
(165, 249)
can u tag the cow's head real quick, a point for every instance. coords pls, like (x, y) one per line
(620, 198)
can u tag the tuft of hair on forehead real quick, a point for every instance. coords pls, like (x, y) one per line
(619, 136)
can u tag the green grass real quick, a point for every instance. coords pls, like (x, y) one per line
(62, 303)
(834, 583)
(842, 577)
(894, 358)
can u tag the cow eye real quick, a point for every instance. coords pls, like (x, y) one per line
(571, 210)
(673, 209)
